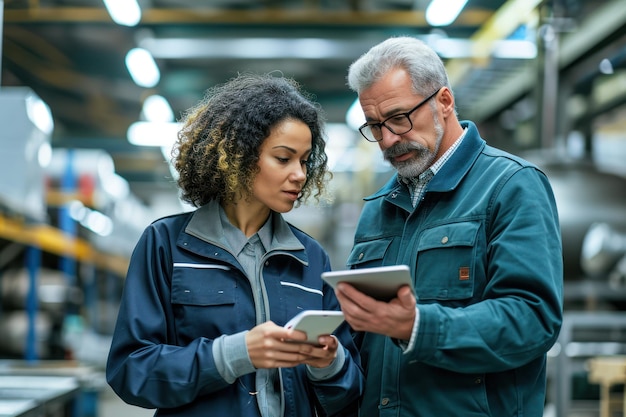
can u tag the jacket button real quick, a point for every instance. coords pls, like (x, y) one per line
(444, 240)
(384, 401)
(361, 255)
(478, 381)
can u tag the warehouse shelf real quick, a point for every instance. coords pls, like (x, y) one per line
(55, 198)
(52, 240)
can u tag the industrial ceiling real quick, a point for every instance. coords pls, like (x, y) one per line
(72, 55)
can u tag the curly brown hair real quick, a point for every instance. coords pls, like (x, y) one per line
(217, 151)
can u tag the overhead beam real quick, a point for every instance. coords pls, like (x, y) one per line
(606, 20)
(318, 17)
(600, 25)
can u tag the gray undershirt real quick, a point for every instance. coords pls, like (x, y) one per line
(230, 351)
(249, 253)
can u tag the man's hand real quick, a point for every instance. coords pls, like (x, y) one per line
(364, 313)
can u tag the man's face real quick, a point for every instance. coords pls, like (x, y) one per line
(413, 152)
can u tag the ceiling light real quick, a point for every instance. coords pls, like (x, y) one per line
(153, 134)
(254, 48)
(449, 48)
(142, 68)
(39, 114)
(156, 108)
(123, 12)
(443, 12)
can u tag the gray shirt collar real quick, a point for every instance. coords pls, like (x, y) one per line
(203, 226)
(236, 238)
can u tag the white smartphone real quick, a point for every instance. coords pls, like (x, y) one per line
(315, 323)
(381, 282)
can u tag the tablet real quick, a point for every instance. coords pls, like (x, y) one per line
(315, 323)
(380, 282)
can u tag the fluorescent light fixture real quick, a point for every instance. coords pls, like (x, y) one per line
(39, 114)
(443, 12)
(464, 48)
(153, 133)
(142, 68)
(254, 48)
(156, 108)
(123, 12)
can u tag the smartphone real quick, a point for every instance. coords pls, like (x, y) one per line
(315, 323)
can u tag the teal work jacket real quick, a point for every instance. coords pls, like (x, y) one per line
(484, 247)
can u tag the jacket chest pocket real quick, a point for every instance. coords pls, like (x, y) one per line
(446, 262)
(204, 299)
(203, 286)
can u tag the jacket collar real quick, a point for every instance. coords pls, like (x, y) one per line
(205, 225)
(450, 174)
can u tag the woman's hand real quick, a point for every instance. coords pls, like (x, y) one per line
(273, 346)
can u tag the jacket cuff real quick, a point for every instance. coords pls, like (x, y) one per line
(231, 356)
(408, 345)
(320, 374)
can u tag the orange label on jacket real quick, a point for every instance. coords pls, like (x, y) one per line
(464, 274)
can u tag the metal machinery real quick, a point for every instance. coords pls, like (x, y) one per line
(25, 144)
(67, 226)
(592, 210)
(99, 201)
(31, 299)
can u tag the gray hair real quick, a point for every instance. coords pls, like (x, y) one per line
(418, 59)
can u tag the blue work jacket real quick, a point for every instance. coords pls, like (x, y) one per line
(484, 247)
(182, 291)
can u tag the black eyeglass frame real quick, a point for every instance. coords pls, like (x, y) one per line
(406, 114)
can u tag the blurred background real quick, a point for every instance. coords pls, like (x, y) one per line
(91, 92)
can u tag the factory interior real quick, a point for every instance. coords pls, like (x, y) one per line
(85, 140)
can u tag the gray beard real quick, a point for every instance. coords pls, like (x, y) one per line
(412, 168)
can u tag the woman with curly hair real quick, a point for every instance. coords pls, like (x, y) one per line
(200, 326)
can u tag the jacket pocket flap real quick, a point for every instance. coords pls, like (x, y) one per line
(449, 235)
(368, 251)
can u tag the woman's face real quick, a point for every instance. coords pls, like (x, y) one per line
(282, 166)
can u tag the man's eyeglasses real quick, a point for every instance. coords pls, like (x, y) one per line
(397, 124)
